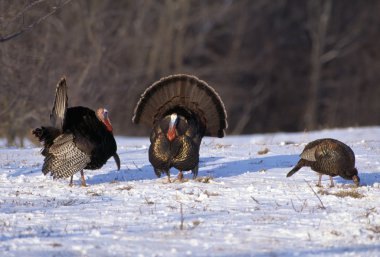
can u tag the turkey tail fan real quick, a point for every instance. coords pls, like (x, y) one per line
(299, 165)
(184, 92)
(294, 170)
(57, 115)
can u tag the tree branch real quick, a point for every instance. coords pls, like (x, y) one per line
(30, 26)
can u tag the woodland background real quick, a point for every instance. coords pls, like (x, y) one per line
(280, 65)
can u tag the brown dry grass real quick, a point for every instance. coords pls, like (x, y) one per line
(210, 193)
(343, 193)
(219, 146)
(129, 187)
(375, 229)
(264, 151)
(92, 193)
(205, 180)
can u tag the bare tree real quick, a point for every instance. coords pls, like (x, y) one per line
(22, 21)
(326, 47)
(256, 54)
(319, 17)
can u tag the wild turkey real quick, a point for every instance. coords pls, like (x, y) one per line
(182, 109)
(330, 157)
(77, 139)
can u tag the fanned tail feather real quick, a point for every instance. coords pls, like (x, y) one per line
(183, 93)
(58, 112)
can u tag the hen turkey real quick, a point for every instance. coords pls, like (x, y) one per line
(77, 139)
(182, 110)
(329, 157)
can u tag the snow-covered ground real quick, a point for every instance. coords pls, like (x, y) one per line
(243, 205)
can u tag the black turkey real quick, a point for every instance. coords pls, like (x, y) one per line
(182, 109)
(77, 139)
(329, 157)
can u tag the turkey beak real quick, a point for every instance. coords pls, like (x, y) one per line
(356, 180)
(172, 127)
(106, 120)
(105, 114)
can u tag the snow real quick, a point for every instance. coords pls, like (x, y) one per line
(247, 208)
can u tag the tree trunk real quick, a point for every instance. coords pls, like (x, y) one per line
(318, 22)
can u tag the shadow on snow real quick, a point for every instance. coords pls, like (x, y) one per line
(366, 179)
(238, 167)
(208, 166)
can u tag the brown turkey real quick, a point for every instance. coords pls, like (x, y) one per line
(329, 157)
(77, 139)
(181, 109)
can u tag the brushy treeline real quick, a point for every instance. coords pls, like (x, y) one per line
(278, 65)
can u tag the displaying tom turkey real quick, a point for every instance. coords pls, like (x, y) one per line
(77, 139)
(328, 157)
(182, 110)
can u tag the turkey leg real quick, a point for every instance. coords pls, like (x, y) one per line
(83, 180)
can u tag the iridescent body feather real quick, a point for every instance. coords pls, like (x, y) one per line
(182, 109)
(77, 139)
